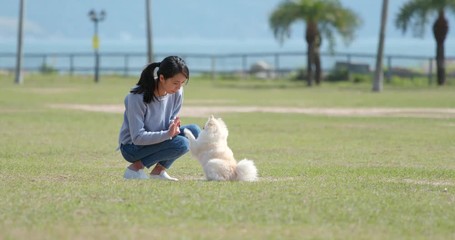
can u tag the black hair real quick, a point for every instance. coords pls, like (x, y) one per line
(168, 67)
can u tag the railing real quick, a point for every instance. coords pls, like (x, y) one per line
(214, 64)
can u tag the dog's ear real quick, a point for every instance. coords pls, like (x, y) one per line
(210, 125)
(210, 122)
(221, 122)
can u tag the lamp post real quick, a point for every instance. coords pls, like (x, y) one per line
(96, 18)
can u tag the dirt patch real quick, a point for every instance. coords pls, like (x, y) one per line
(91, 107)
(422, 182)
(47, 91)
(204, 111)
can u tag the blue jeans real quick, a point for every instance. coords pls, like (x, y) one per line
(164, 153)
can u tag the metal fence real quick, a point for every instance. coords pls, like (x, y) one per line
(273, 65)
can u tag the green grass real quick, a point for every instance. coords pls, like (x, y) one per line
(321, 177)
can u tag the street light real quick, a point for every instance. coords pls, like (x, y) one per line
(96, 17)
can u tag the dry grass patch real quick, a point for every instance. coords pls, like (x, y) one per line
(204, 111)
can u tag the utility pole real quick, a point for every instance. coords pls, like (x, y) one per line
(149, 30)
(18, 76)
(379, 74)
(96, 42)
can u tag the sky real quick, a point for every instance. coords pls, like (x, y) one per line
(195, 23)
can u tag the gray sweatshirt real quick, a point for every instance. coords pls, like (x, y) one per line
(146, 124)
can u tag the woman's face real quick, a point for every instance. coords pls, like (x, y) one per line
(173, 84)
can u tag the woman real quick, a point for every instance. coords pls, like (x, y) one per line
(151, 134)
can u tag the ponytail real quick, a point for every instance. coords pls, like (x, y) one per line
(147, 83)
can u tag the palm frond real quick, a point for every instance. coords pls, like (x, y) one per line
(451, 6)
(416, 14)
(282, 19)
(331, 17)
(340, 20)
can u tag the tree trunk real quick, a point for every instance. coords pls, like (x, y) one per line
(379, 74)
(440, 63)
(309, 70)
(317, 66)
(440, 29)
(317, 60)
(310, 37)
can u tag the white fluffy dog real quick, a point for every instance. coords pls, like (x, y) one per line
(217, 160)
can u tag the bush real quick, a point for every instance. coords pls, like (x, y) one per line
(361, 78)
(301, 74)
(47, 69)
(336, 75)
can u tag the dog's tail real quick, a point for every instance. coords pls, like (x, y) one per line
(246, 171)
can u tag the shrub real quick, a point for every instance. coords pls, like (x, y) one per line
(47, 69)
(337, 74)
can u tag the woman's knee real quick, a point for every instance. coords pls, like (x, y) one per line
(128, 152)
(182, 144)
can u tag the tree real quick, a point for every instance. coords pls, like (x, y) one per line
(379, 74)
(416, 13)
(323, 19)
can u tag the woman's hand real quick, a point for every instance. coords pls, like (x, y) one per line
(174, 128)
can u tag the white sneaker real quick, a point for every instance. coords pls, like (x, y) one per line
(131, 174)
(163, 176)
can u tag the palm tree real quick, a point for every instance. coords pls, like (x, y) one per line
(416, 13)
(323, 19)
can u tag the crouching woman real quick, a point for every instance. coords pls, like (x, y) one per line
(151, 135)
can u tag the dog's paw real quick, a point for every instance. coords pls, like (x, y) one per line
(188, 133)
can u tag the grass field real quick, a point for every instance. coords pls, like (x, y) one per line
(321, 177)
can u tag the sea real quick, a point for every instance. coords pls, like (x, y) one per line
(204, 55)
